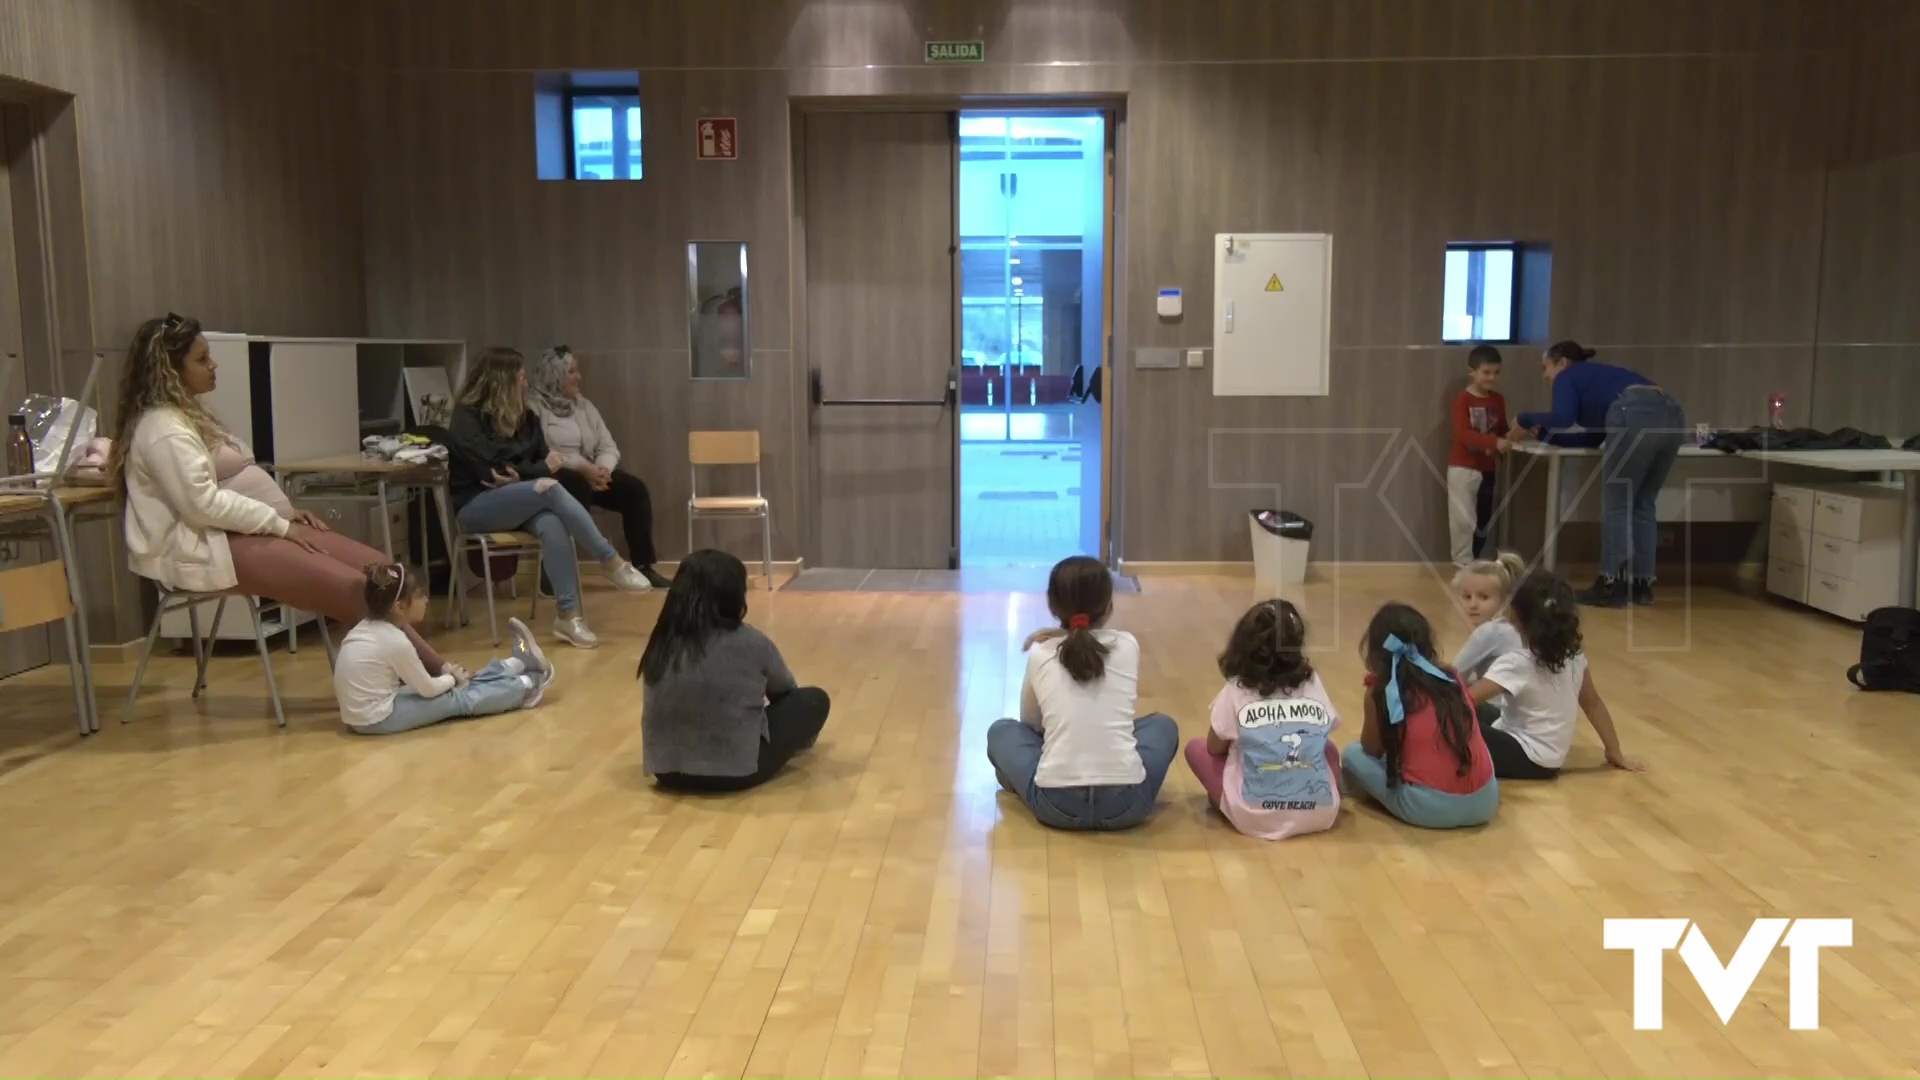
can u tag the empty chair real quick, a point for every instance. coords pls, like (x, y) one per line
(713, 448)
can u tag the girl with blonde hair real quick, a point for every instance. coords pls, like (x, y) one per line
(501, 477)
(1483, 588)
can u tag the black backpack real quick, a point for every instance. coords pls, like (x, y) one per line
(1889, 651)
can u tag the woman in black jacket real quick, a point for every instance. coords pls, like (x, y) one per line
(500, 474)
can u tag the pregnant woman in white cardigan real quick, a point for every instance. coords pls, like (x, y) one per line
(592, 471)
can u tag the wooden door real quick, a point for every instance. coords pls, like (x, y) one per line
(880, 241)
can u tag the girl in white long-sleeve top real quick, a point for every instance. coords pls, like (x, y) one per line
(383, 688)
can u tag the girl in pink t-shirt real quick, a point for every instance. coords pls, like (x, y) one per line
(1268, 762)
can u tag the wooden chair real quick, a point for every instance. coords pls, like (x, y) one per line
(171, 600)
(37, 595)
(717, 448)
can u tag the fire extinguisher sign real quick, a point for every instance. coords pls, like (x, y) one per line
(716, 138)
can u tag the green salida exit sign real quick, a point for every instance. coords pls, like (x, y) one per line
(956, 52)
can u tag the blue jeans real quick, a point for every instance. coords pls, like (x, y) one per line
(1413, 803)
(1645, 427)
(1014, 749)
(493, 689)
(556, 517)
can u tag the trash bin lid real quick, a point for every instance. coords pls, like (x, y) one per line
(1284, 523)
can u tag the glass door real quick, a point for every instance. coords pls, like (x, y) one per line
(1032, 208)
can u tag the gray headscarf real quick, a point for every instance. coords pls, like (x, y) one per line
(549, 378)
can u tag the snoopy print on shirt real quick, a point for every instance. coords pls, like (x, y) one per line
(1283, 746)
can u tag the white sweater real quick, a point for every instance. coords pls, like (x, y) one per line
(177, 516)
(374, 659)
(581, 437)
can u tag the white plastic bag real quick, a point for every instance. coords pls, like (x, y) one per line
(48, 421)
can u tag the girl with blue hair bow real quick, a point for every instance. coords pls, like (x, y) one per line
(1420, 753)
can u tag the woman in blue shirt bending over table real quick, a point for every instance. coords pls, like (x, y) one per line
(1639, 429)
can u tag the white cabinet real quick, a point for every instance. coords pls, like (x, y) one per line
(1272, 314)
(1835, 547)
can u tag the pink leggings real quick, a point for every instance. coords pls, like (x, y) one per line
(332, 584)
(1208, 767)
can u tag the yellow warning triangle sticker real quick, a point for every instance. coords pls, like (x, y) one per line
(1273, 284)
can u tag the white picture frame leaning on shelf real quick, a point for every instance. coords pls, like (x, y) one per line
(429, 396)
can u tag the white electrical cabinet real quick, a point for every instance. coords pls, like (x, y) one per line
(1272, 314)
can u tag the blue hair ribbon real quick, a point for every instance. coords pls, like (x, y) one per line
(1396, 712)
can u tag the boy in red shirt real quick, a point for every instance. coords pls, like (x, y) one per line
(1479, 436)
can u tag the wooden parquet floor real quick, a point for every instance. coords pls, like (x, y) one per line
(201, 894)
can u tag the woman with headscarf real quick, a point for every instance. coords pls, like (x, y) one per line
(591, 469)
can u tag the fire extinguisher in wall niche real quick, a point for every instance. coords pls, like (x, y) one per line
(730, 329)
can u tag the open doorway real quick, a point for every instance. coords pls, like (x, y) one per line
(1033, 222)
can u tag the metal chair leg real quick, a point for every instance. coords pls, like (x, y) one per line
(690, 518)
(326, 643)
(486, 565)
(533, 612)
(766, 551)
(213, 635)
(77, 673)
(200, 647)
(140, 669)
(63, 543)
(266, 660)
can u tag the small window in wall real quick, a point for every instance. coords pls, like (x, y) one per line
(1496, 291)
(1480, 292)
(586, 125)
(605, 130)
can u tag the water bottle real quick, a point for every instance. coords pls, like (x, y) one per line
(19, 447)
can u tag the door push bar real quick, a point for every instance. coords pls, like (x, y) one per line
(819, 397)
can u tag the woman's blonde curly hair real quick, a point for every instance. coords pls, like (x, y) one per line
(151, 380)
(493, 388)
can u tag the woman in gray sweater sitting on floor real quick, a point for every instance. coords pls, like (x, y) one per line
(722, 712)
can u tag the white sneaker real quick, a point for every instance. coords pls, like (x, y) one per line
(537, 684)
(627, 578)
(573, 630)
(526, 649)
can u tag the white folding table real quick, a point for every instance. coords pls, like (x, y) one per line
(1906, 463)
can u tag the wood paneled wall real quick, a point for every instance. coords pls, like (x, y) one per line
(1868, 372)
(1672, 151)
(218, 163)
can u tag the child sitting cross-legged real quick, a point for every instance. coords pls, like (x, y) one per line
(1268, 762)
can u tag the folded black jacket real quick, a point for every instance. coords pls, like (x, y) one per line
(1762, 438)
(475, 451)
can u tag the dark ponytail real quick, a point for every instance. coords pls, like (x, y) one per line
(1570, 351)
(1453, 713)
(1080, 595)
(1547, 614)
(388, 586)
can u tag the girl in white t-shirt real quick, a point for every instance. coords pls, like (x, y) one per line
(1482, 587)
(1077, 756)
(1546, 684)
(1268, 762)
(382, 687)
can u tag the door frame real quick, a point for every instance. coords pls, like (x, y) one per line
(1114, 108)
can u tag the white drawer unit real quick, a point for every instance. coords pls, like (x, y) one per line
(1835, 547)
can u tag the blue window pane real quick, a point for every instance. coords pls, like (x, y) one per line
(1477, 293)
(606, 137)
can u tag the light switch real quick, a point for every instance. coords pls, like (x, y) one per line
(1196, 358)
